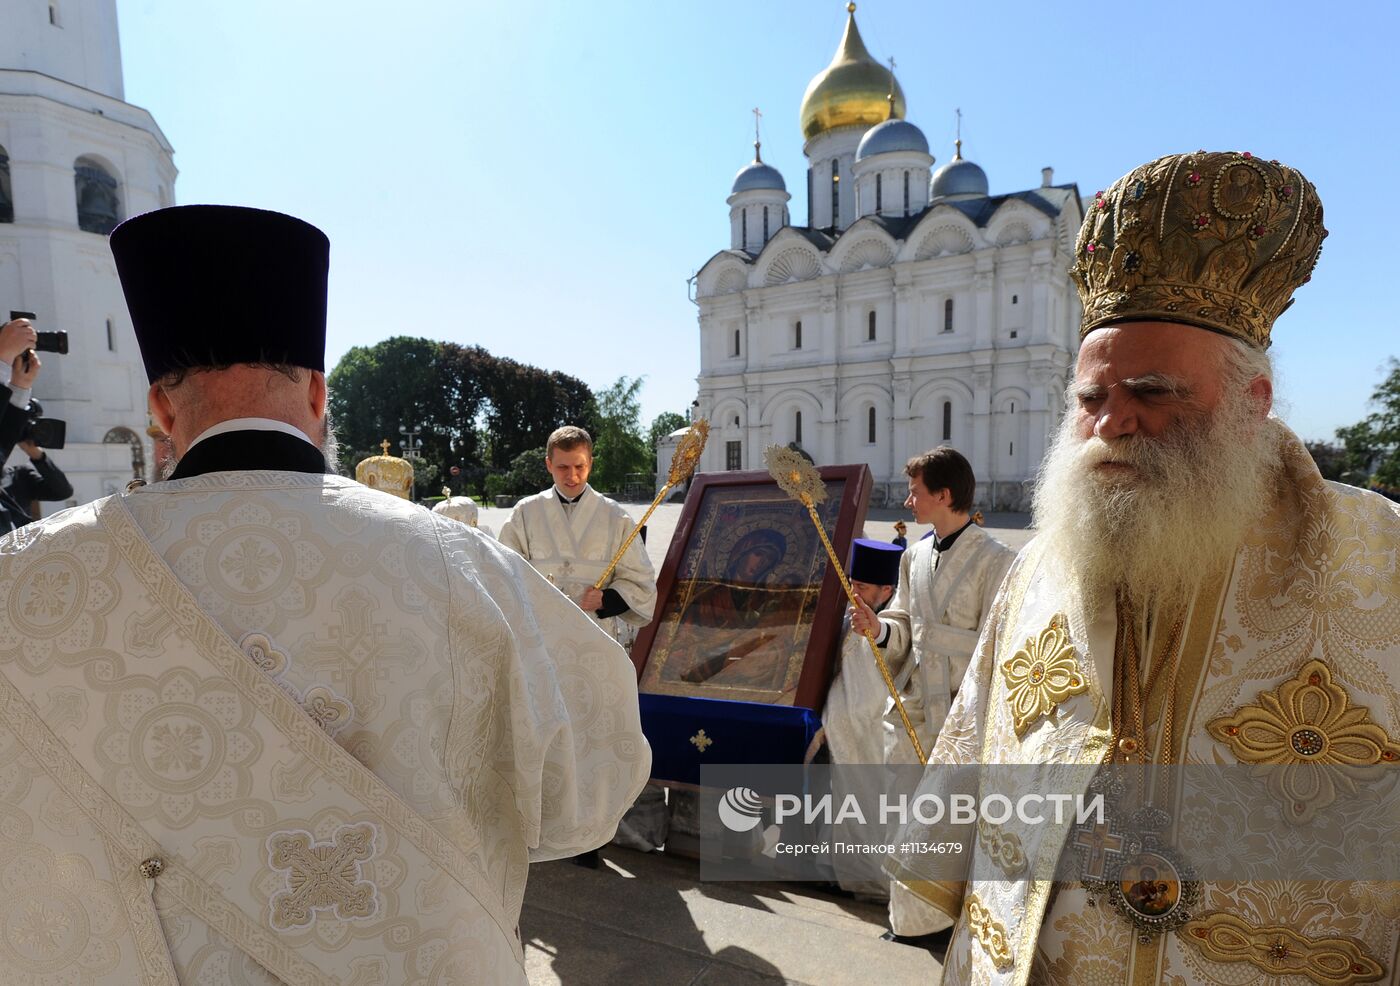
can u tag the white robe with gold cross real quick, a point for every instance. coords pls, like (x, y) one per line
(265, 727)
(572, 546)
(1300, 637)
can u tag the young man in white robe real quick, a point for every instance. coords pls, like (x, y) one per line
(261, 723)
(947, 582)
(569, 533)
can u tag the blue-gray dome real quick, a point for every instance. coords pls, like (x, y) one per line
(756, 174)
(959, 177)
(892, 135)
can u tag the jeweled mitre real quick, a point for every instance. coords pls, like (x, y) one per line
(1219, 240)
(388, 473)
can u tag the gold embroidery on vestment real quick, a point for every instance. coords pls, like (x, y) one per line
(1309, 719)
(989, 932)
(1041, 675)
(1281, 951)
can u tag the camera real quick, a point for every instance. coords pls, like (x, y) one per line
(43, 432)
(47, 342)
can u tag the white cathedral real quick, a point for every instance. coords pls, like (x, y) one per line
(914, 309)
(75, 160)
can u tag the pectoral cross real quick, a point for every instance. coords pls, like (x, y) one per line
(1099, 841)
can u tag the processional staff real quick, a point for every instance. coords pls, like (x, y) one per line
(800, 480)
(683, 463)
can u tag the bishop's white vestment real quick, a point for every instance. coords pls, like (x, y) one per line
(1291, 656)
(274, 727)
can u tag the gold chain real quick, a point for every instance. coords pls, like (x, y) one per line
(1130, 699)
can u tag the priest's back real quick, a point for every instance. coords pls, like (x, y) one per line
(276, 727)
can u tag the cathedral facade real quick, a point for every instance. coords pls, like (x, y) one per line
(75, 160)
(915, 308)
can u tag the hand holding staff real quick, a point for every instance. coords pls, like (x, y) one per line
(800, 480)
(683, 463)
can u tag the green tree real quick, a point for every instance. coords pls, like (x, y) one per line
(664, 423)
(1373, 445)
(398, 382)
(474, 410)
(528, 473)
(618, 445)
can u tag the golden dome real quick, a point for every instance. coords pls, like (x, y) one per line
(852, 91)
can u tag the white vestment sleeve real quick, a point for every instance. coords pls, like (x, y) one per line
(633, 578)
(894, 621)
(561, 710)
(513, 534)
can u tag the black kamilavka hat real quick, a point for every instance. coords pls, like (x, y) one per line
(214, 285)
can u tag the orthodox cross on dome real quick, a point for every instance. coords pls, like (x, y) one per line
(890, 97)
(957, 144)
(757, 115)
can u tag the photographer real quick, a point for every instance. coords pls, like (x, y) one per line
(17, 338)
(17, 375)
(38, 479)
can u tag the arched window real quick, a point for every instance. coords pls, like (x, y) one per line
(53, 13)
(835, 193)
(736, 343)
(870, 329)
(99, 207)
(797, 334)
(797, 427)
(1013, 407)
(111, 337)
(870, 425)
(948, 315)
(947, 421)
(7, 202)
(744, 230)
(765, 224)
(877, 195)
(906, 193)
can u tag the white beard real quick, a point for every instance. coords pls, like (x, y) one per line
(1155, 530)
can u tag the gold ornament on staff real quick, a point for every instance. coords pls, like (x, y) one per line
(800, 480)
(683, 463)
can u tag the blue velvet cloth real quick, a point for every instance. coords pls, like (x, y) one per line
(740, 733)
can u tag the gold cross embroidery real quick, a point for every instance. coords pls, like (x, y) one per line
(701, 741)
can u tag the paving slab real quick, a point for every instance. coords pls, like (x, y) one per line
(647, 918)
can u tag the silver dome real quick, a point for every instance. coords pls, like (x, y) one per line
(892, 135)
(959, 178)
(756, 174)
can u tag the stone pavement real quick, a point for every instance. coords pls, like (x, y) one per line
(645, 918)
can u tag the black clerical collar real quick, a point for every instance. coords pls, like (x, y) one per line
(943, 544)
(239, 450)
(564, 499)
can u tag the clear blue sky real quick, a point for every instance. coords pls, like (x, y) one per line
(541, 178)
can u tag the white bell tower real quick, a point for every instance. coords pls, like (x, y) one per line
(75, 160)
